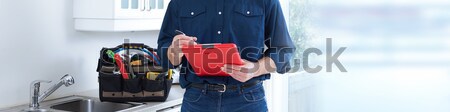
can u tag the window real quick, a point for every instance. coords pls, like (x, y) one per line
(397, 56)
(293, 91)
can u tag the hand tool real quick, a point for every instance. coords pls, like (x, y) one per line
(155, 58)
(152, 75)
(121, 66)
(110, 54)
(169, 74)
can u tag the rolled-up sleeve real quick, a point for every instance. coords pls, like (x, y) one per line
(166, 34)
(277, 39)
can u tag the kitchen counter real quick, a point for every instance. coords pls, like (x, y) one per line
(174, 100)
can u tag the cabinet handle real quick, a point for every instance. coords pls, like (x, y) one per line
(141, 5)
(147, 5)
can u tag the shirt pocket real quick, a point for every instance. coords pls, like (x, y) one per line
(248, 10)
(192, 18)
(248, 23)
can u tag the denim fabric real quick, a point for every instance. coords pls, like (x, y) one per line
(251, 99)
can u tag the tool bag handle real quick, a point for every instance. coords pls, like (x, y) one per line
(137, 46)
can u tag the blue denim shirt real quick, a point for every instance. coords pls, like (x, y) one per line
(250, 24)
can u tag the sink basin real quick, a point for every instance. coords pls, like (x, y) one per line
(76, 103)
(89, 105)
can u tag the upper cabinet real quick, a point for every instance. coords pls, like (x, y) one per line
(119, 15)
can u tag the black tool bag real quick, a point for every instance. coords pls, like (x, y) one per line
(140, 63)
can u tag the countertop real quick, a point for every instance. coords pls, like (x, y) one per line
(175, 98)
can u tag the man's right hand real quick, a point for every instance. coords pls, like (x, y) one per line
(174, 52)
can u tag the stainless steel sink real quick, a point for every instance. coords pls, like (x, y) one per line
(89, 102)
(89, 105)
(77, 104)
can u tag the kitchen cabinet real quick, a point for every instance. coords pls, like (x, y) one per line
(119, 15)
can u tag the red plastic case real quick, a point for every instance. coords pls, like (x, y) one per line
(207, 59)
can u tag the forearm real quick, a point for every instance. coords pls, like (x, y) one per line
(174, 55)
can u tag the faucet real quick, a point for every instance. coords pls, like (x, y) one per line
(66, 80)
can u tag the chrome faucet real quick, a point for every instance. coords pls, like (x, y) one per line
(66, 80)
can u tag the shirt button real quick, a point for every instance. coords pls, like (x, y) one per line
(220, 13)
(248, 12)
(192, 13)
(219, 32)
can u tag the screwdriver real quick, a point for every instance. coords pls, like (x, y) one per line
(169, 76)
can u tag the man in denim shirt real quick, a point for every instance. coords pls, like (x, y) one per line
(251, 25)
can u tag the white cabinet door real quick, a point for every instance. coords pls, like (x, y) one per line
(128, 9)
(140, 8)
(156, 8)
(119, 15)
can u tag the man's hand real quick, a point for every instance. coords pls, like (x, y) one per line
(242, 73)
(174, 52)
(249, 70)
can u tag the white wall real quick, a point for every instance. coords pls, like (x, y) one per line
(38, 41)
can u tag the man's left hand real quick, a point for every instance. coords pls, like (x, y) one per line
(244, 72)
